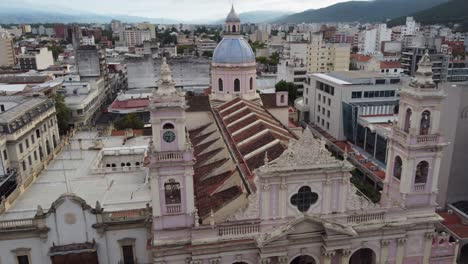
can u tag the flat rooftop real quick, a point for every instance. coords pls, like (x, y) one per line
(115, 190)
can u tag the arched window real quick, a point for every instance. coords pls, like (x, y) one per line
(236, 85)
(172, 192)
(168, 126)
(422, 171)
(220, 85)
(282, 99)
(408, 120)
(122, 164)
(363, 256)
(303, 259)
(233, 28)
(129, 164)
(425, 123)
(251, 83)
(397, 167)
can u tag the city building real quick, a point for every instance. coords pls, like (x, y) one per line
(440, 62)
(84, 98)
(223, 179)
(90, 61)
(7, 54)
(206, 45)
(36, 59)
(294, 71)
(135, 37)
(370, 40)
(29, 126)
(337, 100)
(87, 41)
(325, 57)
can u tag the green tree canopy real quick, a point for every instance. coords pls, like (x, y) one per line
(129, 121)
(63, 113)
(291, 88)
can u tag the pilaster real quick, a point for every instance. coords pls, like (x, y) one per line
(428, 246)
(384, 251)
(327, 256)
(344, 256)
(400, 254)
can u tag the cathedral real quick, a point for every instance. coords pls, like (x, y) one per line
(223, 179)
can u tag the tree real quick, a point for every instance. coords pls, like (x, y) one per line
(262, 60)
(274, 58)
(63, 113)
(129, 121)
(291, 88)
(56, 51)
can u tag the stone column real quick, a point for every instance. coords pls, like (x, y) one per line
(384, 251)
(283, 192)
(427, 246)
(344, 257)
(327, 256)
(265, 199)
(400, 253)
(326, 196)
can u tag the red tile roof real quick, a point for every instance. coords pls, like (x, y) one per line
(129, 104)
(360, 57)
(390, 65)
(454, 223)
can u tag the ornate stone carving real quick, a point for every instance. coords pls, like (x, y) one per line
(251, 212)
(385, 242)
(346, 252)
(327, 253)
(430, 235)
(307, 151)
(215, 261)
(196, 261)
(265, 260)
(401, 241)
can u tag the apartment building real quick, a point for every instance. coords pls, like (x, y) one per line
(85, 98)
(440, 62)
(7, 57)
(206, 45)
(326, 57)
(29, 125)
(370, 40)
(292, 70)
(132, 37)
(36, 59)
(334, 101)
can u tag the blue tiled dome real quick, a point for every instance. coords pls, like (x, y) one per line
(233, 50)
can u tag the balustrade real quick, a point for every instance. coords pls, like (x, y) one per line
(420, 187)
(169, 156)
(239, 230)
(427, 139)
(13, 224)
(173, 209)
(363, 218)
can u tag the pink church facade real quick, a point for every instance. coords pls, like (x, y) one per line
(231, 184)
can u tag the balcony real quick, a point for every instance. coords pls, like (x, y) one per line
(365, 218)
(419, 187)
(173, 209)
(404, 137)
(239, 230)
(169, 156)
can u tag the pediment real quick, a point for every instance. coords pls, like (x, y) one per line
(304, 225)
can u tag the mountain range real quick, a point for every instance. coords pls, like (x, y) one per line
(451, 12)
(19, 15)
(362, 11)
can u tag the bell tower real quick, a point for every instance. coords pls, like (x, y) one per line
(170, 156)
(415, 144)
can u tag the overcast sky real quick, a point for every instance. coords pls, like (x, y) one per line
(176, 9)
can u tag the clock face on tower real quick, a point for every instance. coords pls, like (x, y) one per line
(169, 136)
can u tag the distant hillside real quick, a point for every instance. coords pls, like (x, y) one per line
(362, 11)
(24, 15)
(452, 12)
(261, 16)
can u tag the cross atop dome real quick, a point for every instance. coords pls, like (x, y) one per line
(233, 16)
(232, 23)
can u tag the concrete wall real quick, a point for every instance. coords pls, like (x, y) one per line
(454, 126)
